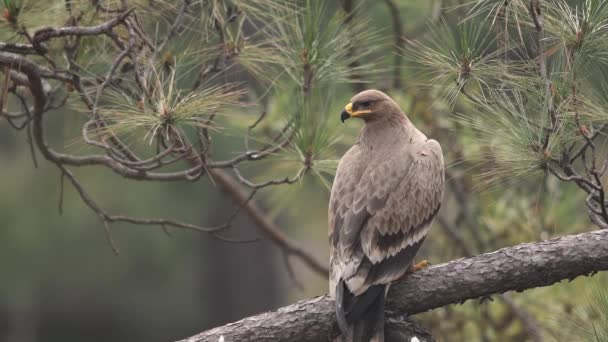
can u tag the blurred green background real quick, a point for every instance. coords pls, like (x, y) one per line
(60, 280)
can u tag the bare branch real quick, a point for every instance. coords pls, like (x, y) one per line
(256, 186)
(175, 26)
(162, 223)
(581, 150)
(54, 32)
(270, 229)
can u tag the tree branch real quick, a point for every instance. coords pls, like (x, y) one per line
(53, 32)
(516, 268)
(232, 188)
(227, 183)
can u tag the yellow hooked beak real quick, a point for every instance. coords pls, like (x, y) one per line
(348, 112)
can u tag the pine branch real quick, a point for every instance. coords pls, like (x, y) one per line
(516, 268)
(228, 184)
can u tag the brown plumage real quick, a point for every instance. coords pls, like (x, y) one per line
(388, 188)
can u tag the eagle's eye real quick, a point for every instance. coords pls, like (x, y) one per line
(365, 104)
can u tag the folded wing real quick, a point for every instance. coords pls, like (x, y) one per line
(380, 214)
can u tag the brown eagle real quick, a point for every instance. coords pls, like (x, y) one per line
(387, 190)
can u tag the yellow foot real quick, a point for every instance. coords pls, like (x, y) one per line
(421, 265)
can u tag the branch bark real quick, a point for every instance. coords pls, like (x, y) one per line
(516, 268)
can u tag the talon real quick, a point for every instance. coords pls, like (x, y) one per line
(421, 265)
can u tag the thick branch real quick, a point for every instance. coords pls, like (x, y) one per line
(517, 268)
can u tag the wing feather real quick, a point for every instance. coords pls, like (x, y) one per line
(380, 214)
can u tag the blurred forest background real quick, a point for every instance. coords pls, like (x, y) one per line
(61, 280)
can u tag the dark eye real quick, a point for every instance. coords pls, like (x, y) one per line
(366, 104)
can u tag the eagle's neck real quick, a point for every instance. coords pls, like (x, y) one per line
(385, 132)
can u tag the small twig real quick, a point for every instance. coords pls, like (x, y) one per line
(30, 143)
(581, 150)
(252, 127)
(397, 32)
(170, 34)
(90, 203)
(54, 32)
(163, 223)
(4, 95)
(356, 83)
(165, 229)
(593, 170)
(262, 153)
(539, 23)
(597, 220)
(461, 86)
(576, 178)
(266, 226)
(257, 186)
(290, 271)
(61, 192)
(174, 27)
(591, 205)
(601, 194)
(111, 242)
(502, 32)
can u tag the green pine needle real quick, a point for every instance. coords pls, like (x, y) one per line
(458, 56)
(317, 40)
(578, 35)
(169, 109)
(508, 137)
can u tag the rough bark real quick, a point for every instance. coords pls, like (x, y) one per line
(514, 268)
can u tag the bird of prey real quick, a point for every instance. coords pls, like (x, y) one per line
(388, 188)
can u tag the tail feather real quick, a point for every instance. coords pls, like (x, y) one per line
(361, 318)
(340, 301)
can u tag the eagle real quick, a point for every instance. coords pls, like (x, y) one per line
(387, 190)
